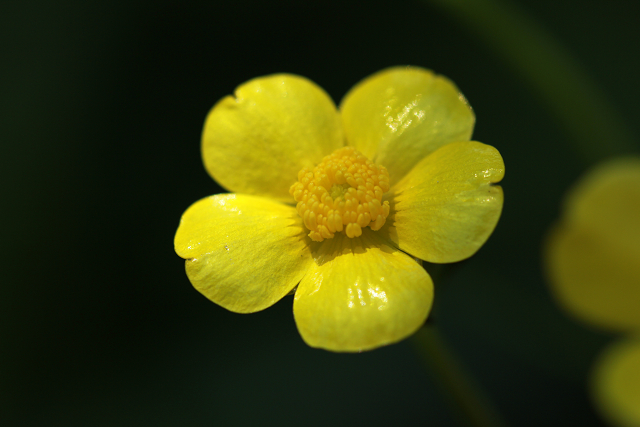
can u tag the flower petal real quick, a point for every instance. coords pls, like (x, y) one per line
(447, 206)
(258, 141)
(361, 294)
(593, 255)
(243, 252)
(607, 202)
(594, 280)
(616, 383)
(400, 115)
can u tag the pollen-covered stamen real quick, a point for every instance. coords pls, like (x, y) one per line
(343, 193)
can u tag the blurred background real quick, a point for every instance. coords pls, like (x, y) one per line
(102, 108)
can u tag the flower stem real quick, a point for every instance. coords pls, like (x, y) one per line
(470, 406)
(556, 77)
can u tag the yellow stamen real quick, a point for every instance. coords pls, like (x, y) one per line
(343, 193)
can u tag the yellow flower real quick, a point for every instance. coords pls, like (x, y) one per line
(332, 201)
(593, 259)
(615, 383)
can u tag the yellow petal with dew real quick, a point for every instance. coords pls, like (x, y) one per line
(615, 383)
(400, 115)
(361, 294)
(243, 252)
(593, 254)
(256, 141)
(447, 206)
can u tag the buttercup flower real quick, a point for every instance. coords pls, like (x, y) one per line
(593, 258)
(336, 203)
(615, 383)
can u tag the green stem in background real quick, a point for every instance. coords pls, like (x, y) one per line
(559, 81)
(466, 400)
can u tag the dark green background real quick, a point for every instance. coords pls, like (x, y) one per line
(102, 108)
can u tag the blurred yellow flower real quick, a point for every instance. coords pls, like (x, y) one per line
(392, 172)
(593, 259)
(615, 383)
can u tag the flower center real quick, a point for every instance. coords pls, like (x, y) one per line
(343, 193)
